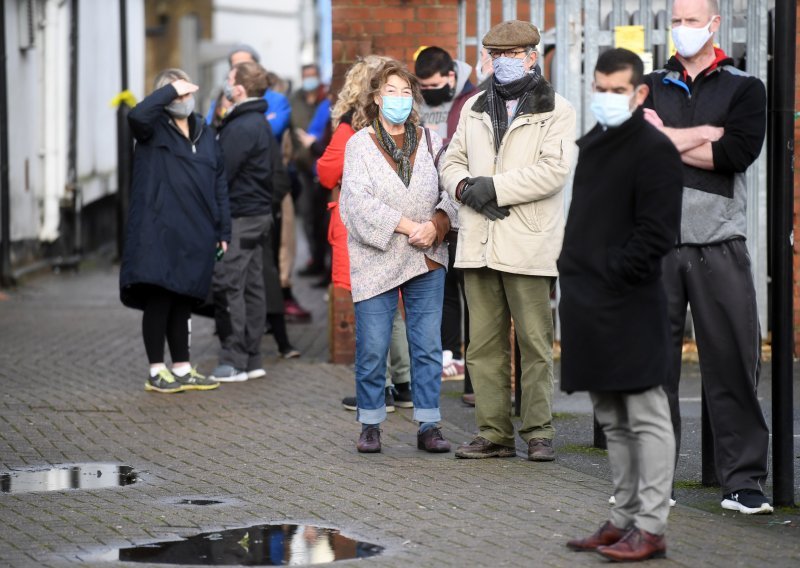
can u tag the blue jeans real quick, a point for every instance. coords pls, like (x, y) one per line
(422, 297)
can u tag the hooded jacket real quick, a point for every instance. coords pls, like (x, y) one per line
(179, 204)
(248, 145)
(714, 202)
(529, 172)
(436, 118)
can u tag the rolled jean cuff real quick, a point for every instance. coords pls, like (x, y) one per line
(427, 415)
(374, 416)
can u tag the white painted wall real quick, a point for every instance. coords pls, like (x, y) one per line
(38, 103)
(282, 31)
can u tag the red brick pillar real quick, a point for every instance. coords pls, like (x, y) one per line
(341, 326)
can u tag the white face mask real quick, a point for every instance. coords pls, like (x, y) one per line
(688, 41)
(611, 109)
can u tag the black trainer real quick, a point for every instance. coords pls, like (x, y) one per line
(747, 501)
(402, 398)
(350, 403)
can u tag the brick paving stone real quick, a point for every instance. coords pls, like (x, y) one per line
(276, 450)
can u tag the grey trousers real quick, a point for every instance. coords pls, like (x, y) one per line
(717, 282)
(398, 364)
(641, 445)
(238, 286)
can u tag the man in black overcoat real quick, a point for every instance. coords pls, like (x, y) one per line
(623, 218)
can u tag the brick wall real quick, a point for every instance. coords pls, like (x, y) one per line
(395, 28)
(796, 248)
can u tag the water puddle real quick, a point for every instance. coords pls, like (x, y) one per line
(68, 476)
(200, 502)
(260, 545)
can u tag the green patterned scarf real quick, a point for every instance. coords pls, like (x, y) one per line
(401, 156)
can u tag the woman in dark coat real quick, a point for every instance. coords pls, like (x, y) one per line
(178, 214)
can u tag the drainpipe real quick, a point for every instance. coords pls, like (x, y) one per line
(6, 279)
(72, 152)
(124, 137)
(72, 187)
(52, 182)
(781, 115)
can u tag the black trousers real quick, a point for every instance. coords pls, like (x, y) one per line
(166, 315)
(716, 281)
(452, 331)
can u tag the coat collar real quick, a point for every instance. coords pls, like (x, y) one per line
(600, 134)
(258, 105)
(542, 99)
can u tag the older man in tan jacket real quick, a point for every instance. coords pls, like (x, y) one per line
(507, 164)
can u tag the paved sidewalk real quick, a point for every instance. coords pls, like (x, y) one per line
(281, 449)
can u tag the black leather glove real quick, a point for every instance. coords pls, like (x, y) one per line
(478, 192)
(494, 212)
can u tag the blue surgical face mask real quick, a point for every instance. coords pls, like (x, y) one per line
(310, 84)
(611, 109)
(396, 109)
(508, 69)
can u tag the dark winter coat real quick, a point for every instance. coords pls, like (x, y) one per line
(624, 217)
(178, 204)
(248, 147)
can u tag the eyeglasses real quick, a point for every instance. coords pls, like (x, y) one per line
(508, 53)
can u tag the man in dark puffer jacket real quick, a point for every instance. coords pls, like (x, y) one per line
(246, 139)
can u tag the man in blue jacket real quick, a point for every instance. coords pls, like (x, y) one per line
(278, 110)
(716, 116)
(247, 143)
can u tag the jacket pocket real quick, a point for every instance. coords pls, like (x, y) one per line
(529, 213)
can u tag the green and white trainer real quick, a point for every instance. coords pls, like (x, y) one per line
(164, 382)
(195, 381)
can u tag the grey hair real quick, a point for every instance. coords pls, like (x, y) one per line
(245, 48)
(168, 76)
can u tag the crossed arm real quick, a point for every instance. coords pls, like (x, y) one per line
(694, 143)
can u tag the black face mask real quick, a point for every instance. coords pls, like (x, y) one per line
(435, 97)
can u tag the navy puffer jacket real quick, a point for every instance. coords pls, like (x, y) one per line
(178, 207)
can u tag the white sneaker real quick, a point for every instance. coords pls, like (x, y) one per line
(227, 374)
(256, 374)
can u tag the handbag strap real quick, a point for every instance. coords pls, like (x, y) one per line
(430, 149)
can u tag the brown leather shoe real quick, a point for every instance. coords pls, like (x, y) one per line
(541, 450)
(468, 398)
(431, 440)
(606, 535)
(480, 447)
(636, 545)
(369, 442)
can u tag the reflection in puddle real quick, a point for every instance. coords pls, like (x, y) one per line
(260, 545)
(69, 476)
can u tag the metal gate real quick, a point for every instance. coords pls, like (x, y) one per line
(584, 28)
